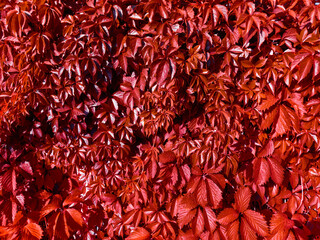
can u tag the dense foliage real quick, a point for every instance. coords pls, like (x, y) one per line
(161, 119)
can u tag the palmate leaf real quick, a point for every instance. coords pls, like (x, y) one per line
(224, 93)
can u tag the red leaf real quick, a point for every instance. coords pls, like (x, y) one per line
(233, 231)
(34, 230)
(261, 171)
(269, 102)
(257, 222)
(214, 192)
(246, 230)
(61, 229)
(123, 62)
(242, 199)
(269, 118)
(305, 67)
(210, 219)
(267, 150)
(276, 170)
(139, 233)
(202, 193)
(53, 206)
(187, 210)
(223, 11)
(74, 218)
(162, 72)
(227, 216)
(199, 223)
(25, 166)
(283, 122)
(167, 157)
(72, 198)
(280, 223)
(9, 180)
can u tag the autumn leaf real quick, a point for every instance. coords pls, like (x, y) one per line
(242, 199)
(257, 222)
(227, 216)
(167, 157)
(33, 230)
(139, 233)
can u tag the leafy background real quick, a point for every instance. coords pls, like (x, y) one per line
(158, 119)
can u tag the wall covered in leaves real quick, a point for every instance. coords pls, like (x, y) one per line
(161, 119)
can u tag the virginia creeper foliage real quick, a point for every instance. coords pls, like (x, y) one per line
(159, 119)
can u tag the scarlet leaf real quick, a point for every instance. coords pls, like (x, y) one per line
(34, 230)
(167, 157)
(283, 123)
(199, 223)
(276, 170)
(280, 223)
(267, 150)
(305, 67)
(25, 166)
(9, 180)
(246, 231)
(233, 231)
(73, 217)
(269, 118)
(210, 219)
(261, 171)
(215, 193)
(187, 210)
(163, 72)
(242, 199)
(227, 216)
(139, 233)
(257, 222)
